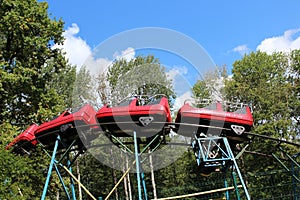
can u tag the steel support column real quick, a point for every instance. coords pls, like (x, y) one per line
(71, 179)
(52, 162)
(137, 164)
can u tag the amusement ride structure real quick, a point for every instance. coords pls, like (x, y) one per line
(216, 129)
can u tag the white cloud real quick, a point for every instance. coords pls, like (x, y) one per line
(176, 71)
(97, 66)
(78, 52)
(179, 101)
(285, 43)
(180, 82)
(76, 49)
(100, 65)
(241, 49)
(127, 54)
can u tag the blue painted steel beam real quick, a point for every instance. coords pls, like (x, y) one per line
(50, 168)
(137, 163)
(71, 179)
(62, 181)
(236, 168)
(203, 147)
(237, 193)
(225, 186)
(144, 185)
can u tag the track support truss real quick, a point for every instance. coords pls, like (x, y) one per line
(56, 163)
(215, 154)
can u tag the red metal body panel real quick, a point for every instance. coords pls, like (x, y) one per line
(25, 136)
(214, 120)
(131, 113)
(133, 109)
(83, 119)
(46, 133)
(86, 115)
(217, 115)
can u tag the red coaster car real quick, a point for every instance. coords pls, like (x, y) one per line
(146, 116)
(230, 120)
(66, 125)
(26, 139)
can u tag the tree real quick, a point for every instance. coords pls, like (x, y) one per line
(139, 76)
(27, 60)
(84, 90)
(261, 80)
(211, 87)
(30, 69)
(294, 79)
(63, 83)
(270, 84)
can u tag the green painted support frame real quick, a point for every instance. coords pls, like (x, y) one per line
(203, 148)
(294, 171)
(140, 175)
(55, 163)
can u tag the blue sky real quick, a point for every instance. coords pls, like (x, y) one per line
(219, 26)
(225, 29)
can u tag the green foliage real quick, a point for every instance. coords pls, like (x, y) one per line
(83, 91)
(269, 83)
(28, 61)
(95, 176)
(63, 83)
(211, 87)
(139, 76)
(200, 90)
(261, 80)
(35, 83)
(19, 176)
(294, 79)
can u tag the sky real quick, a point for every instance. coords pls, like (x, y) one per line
(226, 30)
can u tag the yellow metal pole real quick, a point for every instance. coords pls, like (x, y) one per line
(118, 183)
(84, 188)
